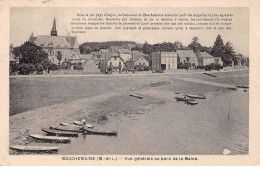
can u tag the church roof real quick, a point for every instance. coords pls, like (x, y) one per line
(55, 41)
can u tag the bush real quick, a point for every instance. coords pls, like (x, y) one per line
(39, 68)
(53, 67)
(78, 66)
(24, 69)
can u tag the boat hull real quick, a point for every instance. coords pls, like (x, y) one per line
(33, 148)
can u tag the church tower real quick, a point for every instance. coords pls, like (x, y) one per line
(54, 31)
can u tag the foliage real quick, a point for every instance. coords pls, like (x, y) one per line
(30, 55)
(89, 47)
(59, 57)
(53, 67)
(183, 65)
(226, 52)
(142, 68)
(78, 66)
(195, 45)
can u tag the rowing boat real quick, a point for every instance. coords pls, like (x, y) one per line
(33, 148)
(79, 123)
(192, 102)
(98, 132)
(242, 86)
(60, 133)
(232, 88)
(180, 98)
(196, 96)
(67, 128)
(50, 138)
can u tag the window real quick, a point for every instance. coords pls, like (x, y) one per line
(65, 59)
(140, 63)
(143, 63)
(110, 63)
(119, 63)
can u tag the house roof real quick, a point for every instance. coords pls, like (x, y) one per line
(125, 51)
(205, 55)
(125, 57)
(186, 53)
(169, 54)
(136, 52)
(85, 57)
(55, 41)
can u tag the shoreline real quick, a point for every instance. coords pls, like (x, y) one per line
(125, 74)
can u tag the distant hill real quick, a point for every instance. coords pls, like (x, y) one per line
(88, 47)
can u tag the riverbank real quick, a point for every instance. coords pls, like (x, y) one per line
(156, 124)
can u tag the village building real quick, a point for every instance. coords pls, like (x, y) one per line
(112, 60)
(136, 59)
(205, 59)
(187, 56)
(218, 60)
(54, 45)
(164, 61)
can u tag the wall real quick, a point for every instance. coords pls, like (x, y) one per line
(142, 61)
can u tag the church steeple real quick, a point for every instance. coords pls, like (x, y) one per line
(54, 31)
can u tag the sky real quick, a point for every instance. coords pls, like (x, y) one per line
(24, 21)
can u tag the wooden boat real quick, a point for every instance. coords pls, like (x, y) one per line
(134, 95)
(33, 148)
(232, 88)
(67, 128)
(196, 96)
(209, 74)
(192, 102)
(60, 133)
(180, 98)
(80, 124)
(50, 138)
(243, 86)
(97, 132)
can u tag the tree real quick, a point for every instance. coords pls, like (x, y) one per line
(229, 51)
(195, 45)
(218, 47)
(29, 56)
(147, 48)
(59, 57)
(177, 45)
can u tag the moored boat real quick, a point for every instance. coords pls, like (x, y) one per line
(67, 128)
(50, 138)
(243, 86)
(98, 132)
(180, 98)
(196, 96)
(33, 148)
(192, 102)
(59, 132)
(232, 88)
(80, 124)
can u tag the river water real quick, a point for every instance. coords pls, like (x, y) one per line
(216, 123)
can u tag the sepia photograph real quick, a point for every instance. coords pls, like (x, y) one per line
(135, 81)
